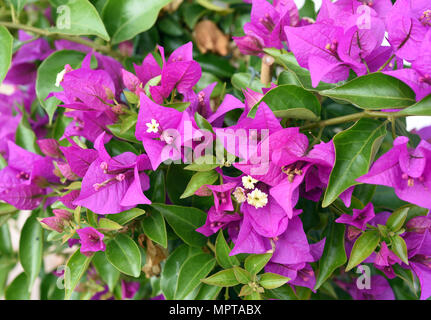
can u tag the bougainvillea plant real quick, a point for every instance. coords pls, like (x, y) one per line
(229, 149)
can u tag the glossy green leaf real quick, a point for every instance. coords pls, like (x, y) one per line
(76, 267)
(203, 163)
(198, 180)
(25, 136)
(397, 218)
(399, 247)
(18, 289)
(171, 269)
(78, 17)
(207, 292)
(374, 91)
(157, 191)
(6, 208)
(242, 275)
(256, 262)
(244, 80)
(192, 271)
(18, 5)
(47, 77)
(223, 251)
(224, 278)
(31, 248)
(334, 254)
(184, 221)
(5, 241)
(109, 225)
(124, 19)
(281, 293)
(420, 108)
(294, 74)
(6, 41)
(364, 246)
(272, 280)
(123, 253)
(155, 228)
(126, 216)
(109, 274)
(355, 149)
(203, 123)
(290, 101)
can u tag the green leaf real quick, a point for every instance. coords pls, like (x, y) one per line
(78, 17)
(18, 5)
(171, 269)
(126, 216)
(109, 225)
(124, 255)
(47, 77)
(117, 130)
(184, 221)
(198, 180)
(157, 191)
(397, 218)
(25, 136)
(281, 293)
(203, 163)
(192, 13)
(76, 266)
(272, 280)
(222, 253)
(374, 91)
(244, 80)
(334, 254)
(242, 275)
(290, 101)
(355, 148)
(218, 6)
(224, 278)
(420, 108)
(6, 42)
(364, 246)
(106, 271)
(399, 248)
(124, 19)
(295, 74)
(203, 123)
(254, 263)
(18, 289)
(155, 228)
(5, 241)
(207, 292)
(6, 265)
(192, 271)
(6, 208)
(31, 248)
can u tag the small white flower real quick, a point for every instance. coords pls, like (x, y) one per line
(60, 77)
(257, 198)
(248, 182)
(153, 126)
(239, 195)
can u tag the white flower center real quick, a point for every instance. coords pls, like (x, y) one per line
(239, 195)
(257, 198)
(153, 126)
(248, 182)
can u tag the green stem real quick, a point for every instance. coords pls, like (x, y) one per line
(54, 35)
(386, 63)
(349, 118)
